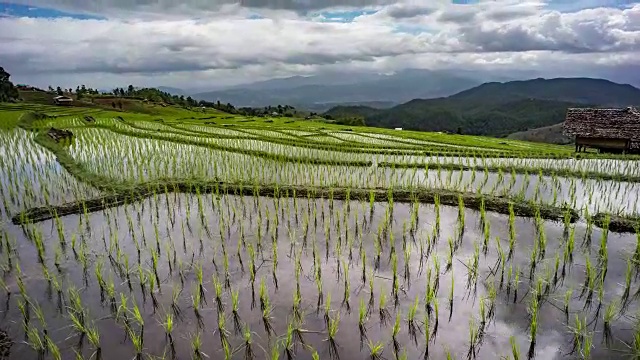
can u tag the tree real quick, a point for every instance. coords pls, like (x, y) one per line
(59, 91)
(7, 90)
(130, 90)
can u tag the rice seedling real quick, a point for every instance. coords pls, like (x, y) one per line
(362, 318)
(196, 346)
(332, 331)
(533, 309)
(375, 350)
(347, 288)
(394, 333)
(515, 349)
(218, 287)
(411, 321)
(610, 313)
(248, 344)
(36, 342)
(222, 331)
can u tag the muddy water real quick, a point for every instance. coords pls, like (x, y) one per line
(170, 215)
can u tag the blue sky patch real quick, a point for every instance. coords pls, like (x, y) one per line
(17, 10)
(341, 16)
(577, 5)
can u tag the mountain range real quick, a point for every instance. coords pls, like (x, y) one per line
(499, 108)
(320, 93)
(487, 103)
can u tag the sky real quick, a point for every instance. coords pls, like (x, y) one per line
(201, 44)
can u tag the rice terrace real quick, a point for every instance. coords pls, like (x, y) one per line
(200, 234)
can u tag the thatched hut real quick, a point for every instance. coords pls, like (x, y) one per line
(608, 130)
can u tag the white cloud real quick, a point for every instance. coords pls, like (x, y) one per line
(226, 47)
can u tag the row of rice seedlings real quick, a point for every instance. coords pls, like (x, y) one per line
(122, 259)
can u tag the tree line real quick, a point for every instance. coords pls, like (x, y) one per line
(8, 91)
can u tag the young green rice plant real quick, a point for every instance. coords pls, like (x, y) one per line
(235, 299)
(274, 259)
(473, 339)
(516, 284)
(375, 350)
(436, 317)
(154, 261)
(407, 262)
(450, 255)
(610, 314)
(297, 312)
(362, 319)
(168, 326)
(222, 331)
(263, 294)
(567, 300)
(332, 332)
(512, 231)
(36, 342)
(199, 277)
(555, 269)
(578, 331)
(411, 321)
(196, 347)
(248, 344)
(347, 287)
(93, 335)
(24, 307)
(394, 333)
(533, 324)
(217, 285)
(196, 303)
(289, 345)
(266, 317)
(588, 286)
(52, 348)
(515, 349)
(110, 290)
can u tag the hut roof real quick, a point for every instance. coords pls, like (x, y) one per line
(604, 123)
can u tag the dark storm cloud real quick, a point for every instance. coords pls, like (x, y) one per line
(509, 14)
(458, 16)
(160, 6)
(401, 11)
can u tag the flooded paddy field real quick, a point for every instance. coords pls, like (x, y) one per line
(221, 274)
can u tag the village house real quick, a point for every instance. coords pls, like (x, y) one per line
(62, 100)
(607, 130)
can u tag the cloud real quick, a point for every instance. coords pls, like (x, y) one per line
(405, 11)
(233, 44)
(194, 6)
(587, 31)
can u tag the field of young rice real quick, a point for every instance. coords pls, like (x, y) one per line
(142, 239)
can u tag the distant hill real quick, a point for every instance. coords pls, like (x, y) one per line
(576, 90)
(317, 91)
(548, 134)
(375, 105)
(500, 109)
